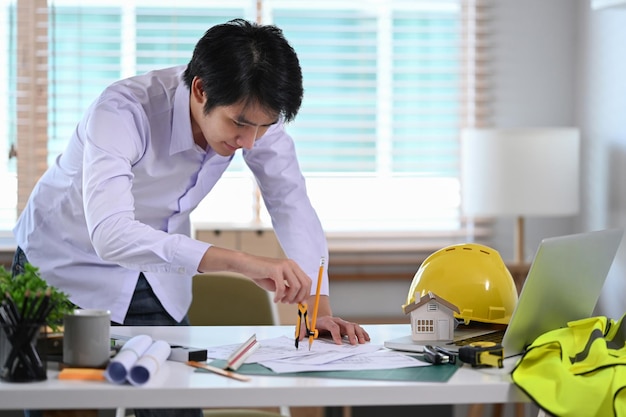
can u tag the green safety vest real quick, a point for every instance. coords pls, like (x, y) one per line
(577, 371)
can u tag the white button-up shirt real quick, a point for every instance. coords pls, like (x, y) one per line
(118, 200)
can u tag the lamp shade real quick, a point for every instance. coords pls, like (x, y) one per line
(520, 172)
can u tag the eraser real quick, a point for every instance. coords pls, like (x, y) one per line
(185, 354)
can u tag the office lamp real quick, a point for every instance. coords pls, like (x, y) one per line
(520, 173)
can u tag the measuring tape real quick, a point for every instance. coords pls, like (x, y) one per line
(477, 354)
(482, 354)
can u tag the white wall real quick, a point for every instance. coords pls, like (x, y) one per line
(601, 112)
(534, 54)
(559, 63)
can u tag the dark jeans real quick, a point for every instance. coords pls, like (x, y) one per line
(145, 310)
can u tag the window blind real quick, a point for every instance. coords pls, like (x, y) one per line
(84, 57)
(388, 84)
(336, 129)
(92, 46)
(377, 134)
(382, 82)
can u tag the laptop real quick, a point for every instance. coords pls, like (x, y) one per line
(563, 284)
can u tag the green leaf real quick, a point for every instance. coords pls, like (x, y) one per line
(30, 284)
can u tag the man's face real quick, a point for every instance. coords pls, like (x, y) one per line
(228, 128)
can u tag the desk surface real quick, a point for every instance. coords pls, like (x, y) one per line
(177, 385)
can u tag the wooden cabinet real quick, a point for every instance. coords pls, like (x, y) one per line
(260, 242)
(226, 240)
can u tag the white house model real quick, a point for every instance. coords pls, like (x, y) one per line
(432, 318)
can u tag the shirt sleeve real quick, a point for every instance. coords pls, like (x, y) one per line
(114, 140)
(274, 163)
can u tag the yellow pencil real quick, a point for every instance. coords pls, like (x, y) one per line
(317, 302)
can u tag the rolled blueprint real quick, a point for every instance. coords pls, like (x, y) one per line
(119, 367)
(149, 363)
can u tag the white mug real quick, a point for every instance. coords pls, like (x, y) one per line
(86, 338)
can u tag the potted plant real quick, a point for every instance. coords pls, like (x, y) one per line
(27, 304)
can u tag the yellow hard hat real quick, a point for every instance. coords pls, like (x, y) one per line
(473, 277)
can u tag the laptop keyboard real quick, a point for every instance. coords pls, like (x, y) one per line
(495, 337)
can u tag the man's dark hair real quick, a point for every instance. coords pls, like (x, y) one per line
(243, 61)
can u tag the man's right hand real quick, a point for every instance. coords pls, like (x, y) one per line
(282, 276)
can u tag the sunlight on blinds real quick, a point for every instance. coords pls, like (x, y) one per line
(377, 135)
(84, 58)
(388, 84)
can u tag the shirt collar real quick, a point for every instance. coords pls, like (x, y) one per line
(182, 137)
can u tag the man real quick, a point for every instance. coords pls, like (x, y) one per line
(109, 222)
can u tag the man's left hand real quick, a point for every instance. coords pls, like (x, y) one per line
(339, 329)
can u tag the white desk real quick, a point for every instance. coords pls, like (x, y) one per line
(177, 385)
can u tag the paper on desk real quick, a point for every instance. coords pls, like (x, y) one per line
(382, 359)
(283, 348)
(326, 351)
(149, 363)
(280, 355)
(118, 367)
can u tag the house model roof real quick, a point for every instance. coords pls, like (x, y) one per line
(426, 298)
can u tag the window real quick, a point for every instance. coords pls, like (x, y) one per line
(377, 135)
(8, 181)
